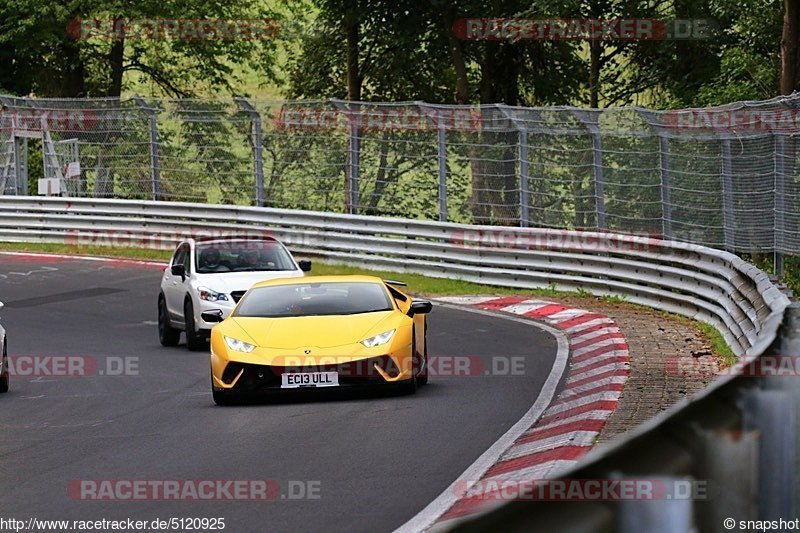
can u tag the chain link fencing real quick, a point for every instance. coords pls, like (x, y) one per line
(725, 177)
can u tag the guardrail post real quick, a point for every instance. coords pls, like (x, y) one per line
(772, 414)
(727, 196)
(787, 381)
(781, 158)
(592, 123)
(666, 186)
(442, 141)
(725, 460)
(155, 172)
(658, 515)
(257, 141)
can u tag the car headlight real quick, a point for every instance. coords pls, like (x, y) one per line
(211, 296)
(379, 339)
(239, 346)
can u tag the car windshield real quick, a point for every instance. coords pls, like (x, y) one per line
(242, 256)
(314, 299)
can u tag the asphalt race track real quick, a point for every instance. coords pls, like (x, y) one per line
(375, 460)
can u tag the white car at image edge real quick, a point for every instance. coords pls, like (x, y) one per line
(4, 368)
(212, 274)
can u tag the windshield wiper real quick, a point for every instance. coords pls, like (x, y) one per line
(365, 311)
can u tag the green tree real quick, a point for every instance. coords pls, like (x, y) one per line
(51, 56)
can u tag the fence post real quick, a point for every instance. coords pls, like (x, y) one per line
(522, 155)
(20, 147)
(524, 204)
(727, 196)
(442, 141)
(591, 121)
(780, 201)
(666, 191)
(155, 173)
(353, 150)
(355, 164)
(257, 141)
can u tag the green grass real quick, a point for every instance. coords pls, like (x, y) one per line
(99, 251)
(418, 284)
(614, 299)
(714, 337)
(718, 344)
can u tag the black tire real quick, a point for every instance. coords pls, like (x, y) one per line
(5, 377)
(422, 379)
(167, 335)
(221, 397)
(194, 342)
(409, 386)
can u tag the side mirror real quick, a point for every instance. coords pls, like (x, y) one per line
(420, 307)
(305, 265)
(214, 315)
(178, 270)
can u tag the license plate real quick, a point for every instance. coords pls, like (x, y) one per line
(310, 379)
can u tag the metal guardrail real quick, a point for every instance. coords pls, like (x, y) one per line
(713, 286)
(740, 434)
(736, 444)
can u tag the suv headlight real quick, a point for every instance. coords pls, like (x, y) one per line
(211, 296)
(239, 346)
(379, 339)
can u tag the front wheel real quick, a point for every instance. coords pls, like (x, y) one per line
(194, 342)
(167, 335)
(422, 379)
(409, 386)
(5, 376)
(221, 397)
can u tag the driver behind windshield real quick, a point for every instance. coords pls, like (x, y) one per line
(249, 260)
(210, 261)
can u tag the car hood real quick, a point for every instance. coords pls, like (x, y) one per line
(315, 331)
(227, 282)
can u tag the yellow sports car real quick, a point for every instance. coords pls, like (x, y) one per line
(319, 331)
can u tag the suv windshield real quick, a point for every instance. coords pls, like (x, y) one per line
(241, 256)
(313, 299)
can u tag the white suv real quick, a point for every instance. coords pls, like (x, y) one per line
(214, 274)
